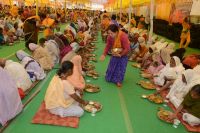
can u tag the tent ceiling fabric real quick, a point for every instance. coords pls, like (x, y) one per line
(31, 2)
(115, 4)
(85, 1)
(126, 3)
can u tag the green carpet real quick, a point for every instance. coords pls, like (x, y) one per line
(124, 111)
(9, 51)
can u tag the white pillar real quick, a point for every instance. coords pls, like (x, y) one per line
(65, 6)
(120, 11)
(36, 7)
(151, 21)
(130, 10)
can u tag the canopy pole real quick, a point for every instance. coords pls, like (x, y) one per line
(151, 22)
(10, 3)
(36, 7)
(55, 6)
(65, 8)
(120, 11)
(130, 10)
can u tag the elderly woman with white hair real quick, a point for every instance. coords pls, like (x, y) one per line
(42, 56)
(32, 67)
(169, 72)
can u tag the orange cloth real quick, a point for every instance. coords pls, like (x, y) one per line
(36, 17)
(48, 22)
(105, 23)
(117, 43)
(80, 37)
(191, 60)
(21, 93)
(105, 14)
(143, 51)
(14, 11)
(75, 17)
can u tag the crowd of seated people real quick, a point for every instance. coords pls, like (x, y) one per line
(53, 49)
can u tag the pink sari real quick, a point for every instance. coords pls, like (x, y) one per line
(76, 79)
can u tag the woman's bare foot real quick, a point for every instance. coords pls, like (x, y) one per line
(119, 84)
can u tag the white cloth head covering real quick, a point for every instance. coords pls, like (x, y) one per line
(33, 46)
(165, 53)
(141, 39)
(197, 69)
(169, 72)
(189, 73)
(162, 40)
(160, 45)
(21, 54)
(177, 60)
(179, 66)
(33, 67)
(171, 45)
(154, 38)
(68, 27)
(75, 46)
(191, 119)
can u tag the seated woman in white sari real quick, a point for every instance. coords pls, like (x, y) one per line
(10, 100)
(61, 98)
(17, 71)
(197, 69)
(32, 67)
(169, 72)
(76, 79)
(52, 47)
(191, 107)
(182, 86)
(42, 56)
